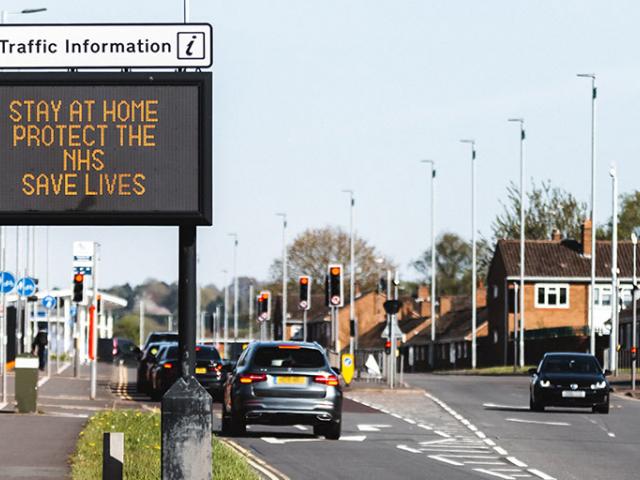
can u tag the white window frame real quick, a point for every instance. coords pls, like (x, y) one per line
(556, 287)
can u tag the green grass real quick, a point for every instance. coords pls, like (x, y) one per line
(142, 449)
(499, 370)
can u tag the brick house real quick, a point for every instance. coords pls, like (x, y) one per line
(556, 294)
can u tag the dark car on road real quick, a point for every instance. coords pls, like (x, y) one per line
(211, 370)
(283, 383)
(147, 360)
(569, 380)
(160, 337)
(164, 372)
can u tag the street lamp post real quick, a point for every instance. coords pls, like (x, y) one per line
(634, 328)
(474, 359)
(433, 252)
(613, 338)
(594, 91)
(522, 226)
(225, 319)
(235, 285)
(352, 275)
(284, 274)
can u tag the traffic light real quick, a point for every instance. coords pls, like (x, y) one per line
(78, 288)
(334, 286)
(305, 292)
(264, 306)
(387, 347)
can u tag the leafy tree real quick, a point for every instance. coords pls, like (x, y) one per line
(548, 208)
(128, 326)
(312, 250)
(628, 218)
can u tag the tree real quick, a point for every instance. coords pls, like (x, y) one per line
(315, 248)
(628, 218)
(548, 208)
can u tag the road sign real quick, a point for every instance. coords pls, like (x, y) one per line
(26, 287)
(7, 282)
(107, 45)
(348, 367)
(49, 302)
(100, 148)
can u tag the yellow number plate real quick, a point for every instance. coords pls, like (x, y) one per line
(201, 370)
(291, 380)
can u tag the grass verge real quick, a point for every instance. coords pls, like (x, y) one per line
(142, 449)
(499, 370)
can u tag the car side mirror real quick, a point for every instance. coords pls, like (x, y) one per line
(607, 373)
(532, 371)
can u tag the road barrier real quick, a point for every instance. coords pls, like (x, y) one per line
(112, 455)
(26, 379)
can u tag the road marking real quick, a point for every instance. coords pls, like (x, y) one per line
(489, 442)
(540, 474)
(494, 473)
(538, 422)
(257, 463)
(443, 440)
(517, 462)
(396, 415)
(366, 427)
(426, 427)
(506, 407)
(452, 449)
(408, 420)
(442, 434)
(446, 460)
(408, 449)
(282, 441)
(353, 438)
(611, 434)
(501, 451)
(66, 415)
(43, 380)
(71, 407)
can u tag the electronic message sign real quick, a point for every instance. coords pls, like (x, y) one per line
(105, 148)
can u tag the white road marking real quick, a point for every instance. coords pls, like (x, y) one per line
(366, 427)
(426, 427)
(540, 474)
(446, 460)
(43, 380)
(517, 462)
(506, 407)
(494, 473)
(611, 434)
(66, 415)
(489, 442)
(442, 434)
(408, 420)
(408, 449)
(396, 415)
(353, 438)
(501, 451)
(443, 440)
(538, 422)
(282, 441)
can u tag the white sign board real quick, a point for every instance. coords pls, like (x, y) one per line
(106, 45)
(83, 252)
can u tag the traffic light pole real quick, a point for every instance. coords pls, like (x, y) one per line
(304, 325)
(94, 325)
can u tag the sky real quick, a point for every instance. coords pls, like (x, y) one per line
(314, 97)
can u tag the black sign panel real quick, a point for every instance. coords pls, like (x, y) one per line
(105, 148)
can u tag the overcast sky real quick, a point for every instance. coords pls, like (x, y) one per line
(313, 97)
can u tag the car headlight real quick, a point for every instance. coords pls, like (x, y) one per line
(598, 385)
(545, 383)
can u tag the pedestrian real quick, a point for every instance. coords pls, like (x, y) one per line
(39, 347)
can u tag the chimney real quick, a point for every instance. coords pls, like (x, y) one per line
(587, 228)
(556, 235)
(446, 304)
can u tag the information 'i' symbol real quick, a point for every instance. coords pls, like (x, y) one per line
(190, 44)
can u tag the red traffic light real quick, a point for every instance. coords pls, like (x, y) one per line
(335, 271)
(304, 280)
(387, 344)
(78, 278)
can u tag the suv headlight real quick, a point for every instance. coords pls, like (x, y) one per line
(545, 383)
(598, 385)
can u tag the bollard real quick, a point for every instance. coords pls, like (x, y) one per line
(187, 420)
(112, 455)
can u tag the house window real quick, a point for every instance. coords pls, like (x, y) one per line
(552, 296)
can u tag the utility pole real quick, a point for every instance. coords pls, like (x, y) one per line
(594, 94)
(614, 274)
(474, 359)
(284, 274)
(634, 328)
(235, 286)
(94, 323)
(433, 252)
(141, 326)
(352, 277)
(225, 326)
(515, 326)
(251, 302)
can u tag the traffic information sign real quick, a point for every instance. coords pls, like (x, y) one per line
(105, 148)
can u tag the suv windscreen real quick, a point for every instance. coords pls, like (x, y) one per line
(207, 353)
(568, 364)
(287, 357)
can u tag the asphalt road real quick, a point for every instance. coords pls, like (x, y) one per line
(564, 443)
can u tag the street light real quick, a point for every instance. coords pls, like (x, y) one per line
(634, 328)
(473, 251)
(352, 274)
(284, 274)
(225, 322)
(594, 91)
(613, 338)
(522, 258)
(433, 253)
(235, 285)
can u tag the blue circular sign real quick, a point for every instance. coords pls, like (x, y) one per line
(49, 302)
(26, 287)
(7, 282)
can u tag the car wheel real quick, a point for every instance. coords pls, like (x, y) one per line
(604, 408)
(333, 431)
(535, 406)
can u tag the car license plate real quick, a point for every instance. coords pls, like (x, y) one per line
(291, 380)
(201, 370)
(572, 394)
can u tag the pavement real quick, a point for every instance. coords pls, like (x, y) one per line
(38, 446)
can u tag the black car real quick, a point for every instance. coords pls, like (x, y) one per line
(164, 372)
(211, 370)
(569, 380)
(283, 383)
(147, 360)
(160, 337)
